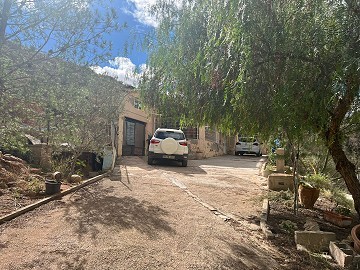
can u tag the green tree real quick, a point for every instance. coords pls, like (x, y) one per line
(34, 89)
(263, 66)
(74, 30)
(77, 108)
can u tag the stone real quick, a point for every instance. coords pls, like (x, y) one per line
(314, 240)
(280, 151)
(280, 181)
(75, 178)
(280, 160)
(342, 253)
(311, 225)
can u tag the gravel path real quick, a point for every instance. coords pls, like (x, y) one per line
(149, 217)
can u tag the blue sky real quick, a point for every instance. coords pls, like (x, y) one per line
(123, 66)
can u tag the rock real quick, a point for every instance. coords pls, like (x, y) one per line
(75, 178)
(311, 225)
(35, 170)
(9, 157)
(314, 240)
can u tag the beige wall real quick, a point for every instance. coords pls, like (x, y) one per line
(129, 111)
(202, 148)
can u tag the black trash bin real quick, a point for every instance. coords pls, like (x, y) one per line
(52, 186)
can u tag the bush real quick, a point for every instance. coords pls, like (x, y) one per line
(319, 181)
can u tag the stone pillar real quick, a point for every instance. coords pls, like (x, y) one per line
(280, 160)
(120, 135)
(108, 158)
(41, 155)
(201, 143)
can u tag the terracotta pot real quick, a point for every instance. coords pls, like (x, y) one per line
(337, 219)
(308, 196)
(355, 234)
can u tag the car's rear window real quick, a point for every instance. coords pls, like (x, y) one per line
(247, 139)
(169, 134)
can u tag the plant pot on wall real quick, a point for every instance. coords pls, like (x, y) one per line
(355, 234)
(308, 196)
(337, 219)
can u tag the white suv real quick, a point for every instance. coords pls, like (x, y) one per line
(168, 144)
(247, 145)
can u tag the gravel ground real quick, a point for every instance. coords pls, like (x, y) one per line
(204, 216)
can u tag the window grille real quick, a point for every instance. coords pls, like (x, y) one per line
(191, 132)
(210, 134)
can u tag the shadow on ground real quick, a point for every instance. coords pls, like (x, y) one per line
(94, 209)
(247, 257)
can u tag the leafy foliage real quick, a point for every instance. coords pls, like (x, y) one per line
(248, 66)
(59, 102)
(216, 60)
(71, 29)
(45, 96)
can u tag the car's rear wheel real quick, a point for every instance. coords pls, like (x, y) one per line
(236, 153)
(184, 163)
(241, 153)
(150, 161)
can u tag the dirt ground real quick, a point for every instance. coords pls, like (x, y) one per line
(205, 216)
(11, 200)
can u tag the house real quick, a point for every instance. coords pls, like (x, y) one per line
(136, 125)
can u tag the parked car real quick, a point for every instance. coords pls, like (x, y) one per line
(248, 145)
(168, 144)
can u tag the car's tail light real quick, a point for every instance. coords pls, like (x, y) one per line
(154, 141)
(183, 143)
(256, 144)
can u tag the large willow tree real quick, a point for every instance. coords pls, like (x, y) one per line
(262, 66)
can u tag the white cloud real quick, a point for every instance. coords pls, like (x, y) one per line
(141, 11)
(122, 69)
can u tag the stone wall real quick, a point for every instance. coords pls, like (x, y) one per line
(203, 148)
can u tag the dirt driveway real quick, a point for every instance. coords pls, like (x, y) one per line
(204, 216)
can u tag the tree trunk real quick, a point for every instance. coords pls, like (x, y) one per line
(347, 170)
(4, 19)
(333, 140)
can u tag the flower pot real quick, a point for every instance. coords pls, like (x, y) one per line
(355, 234)
(52, 187)
(337, 219)
(308, 196)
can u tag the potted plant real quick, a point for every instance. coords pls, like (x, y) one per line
(340, 216)
(309, 189)
(355, 234)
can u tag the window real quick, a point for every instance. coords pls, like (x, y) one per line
(210, 134)
(137, 103)
(191, 132)
(170, 134)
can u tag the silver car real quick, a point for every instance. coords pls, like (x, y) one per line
(248, 145)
